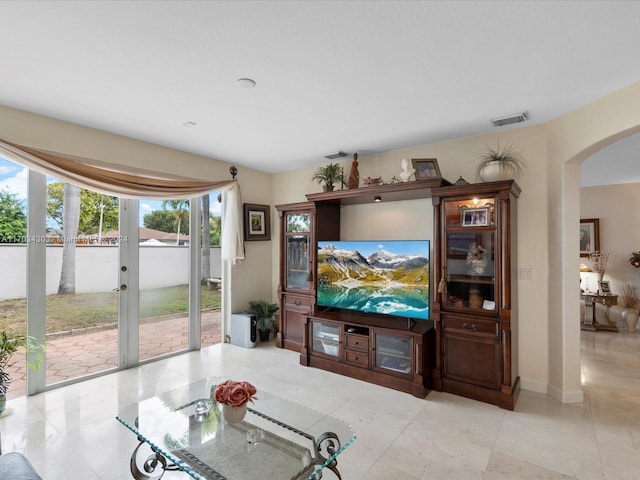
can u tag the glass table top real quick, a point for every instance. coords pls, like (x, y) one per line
(184, 429)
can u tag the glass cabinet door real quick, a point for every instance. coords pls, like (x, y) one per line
(325, 338)
(470, 243)
(297, 240)
(393, 353)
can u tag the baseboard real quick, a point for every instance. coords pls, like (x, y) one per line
(573, 396)
(534, 386)
(569, 396)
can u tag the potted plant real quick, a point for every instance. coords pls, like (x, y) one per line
(500, 164)
(329, 175)
(10, 343)
(264, 311)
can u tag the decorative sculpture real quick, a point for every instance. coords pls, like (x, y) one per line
(406, 172)
(354, 175)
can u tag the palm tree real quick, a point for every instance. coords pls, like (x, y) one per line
(180, 210)
(70, 222)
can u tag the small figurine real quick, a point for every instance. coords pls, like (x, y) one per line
(354, 175)
(476, 259)
(406, 172)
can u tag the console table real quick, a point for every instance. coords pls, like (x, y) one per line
(184, 430)
(590, 323)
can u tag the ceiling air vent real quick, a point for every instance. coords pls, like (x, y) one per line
(333, 156)
(517, 118)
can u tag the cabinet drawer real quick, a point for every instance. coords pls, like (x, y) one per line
(298, 302)
(357, 342)
(471, 325)
(357, 358)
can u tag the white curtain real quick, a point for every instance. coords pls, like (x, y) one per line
(132, 182)
(232, 240)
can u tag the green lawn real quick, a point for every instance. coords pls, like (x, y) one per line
(69, 312)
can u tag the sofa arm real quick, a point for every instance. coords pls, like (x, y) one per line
(15, 466)
(625, 318)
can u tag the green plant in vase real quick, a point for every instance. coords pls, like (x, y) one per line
(11, 343)
(264, 311)
(634, 259)
(329, 175)
(500, 164)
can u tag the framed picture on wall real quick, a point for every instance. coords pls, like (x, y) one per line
(589, 236)
(257, 225)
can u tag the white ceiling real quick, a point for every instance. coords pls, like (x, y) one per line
(364, 76)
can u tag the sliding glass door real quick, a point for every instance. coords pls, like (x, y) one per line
(82, 243)
(106, 287)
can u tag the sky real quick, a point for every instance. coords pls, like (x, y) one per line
(366, 248)
(14, 178)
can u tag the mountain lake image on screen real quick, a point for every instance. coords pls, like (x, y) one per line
(388, 277)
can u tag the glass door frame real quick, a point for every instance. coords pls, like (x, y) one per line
(128, 276)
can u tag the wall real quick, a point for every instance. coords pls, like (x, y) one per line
(571, 139)
(615, 207)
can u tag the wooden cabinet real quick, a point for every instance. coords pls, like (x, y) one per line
(299, 234)
(474, 308)
(388, 352)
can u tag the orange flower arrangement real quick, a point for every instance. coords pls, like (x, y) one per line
(234, 393)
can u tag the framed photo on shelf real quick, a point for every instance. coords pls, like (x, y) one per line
(257, 224)
(604, 287)
(589, 236)
(475, 217)
(426, 168)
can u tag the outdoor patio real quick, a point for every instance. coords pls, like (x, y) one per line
(71, 356)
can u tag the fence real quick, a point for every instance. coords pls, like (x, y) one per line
(97, 268)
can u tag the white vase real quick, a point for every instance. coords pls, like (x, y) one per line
(630, 319)
(234, 414)
(495, 171)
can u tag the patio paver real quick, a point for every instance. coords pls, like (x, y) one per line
(72, 356)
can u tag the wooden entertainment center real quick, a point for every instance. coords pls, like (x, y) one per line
(465, 349)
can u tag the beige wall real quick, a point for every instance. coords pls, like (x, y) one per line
(615, 207)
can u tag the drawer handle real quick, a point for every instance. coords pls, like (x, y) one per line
(298, 303)
(472, 328)
(356, 343)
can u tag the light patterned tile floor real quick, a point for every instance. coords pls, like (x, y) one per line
(71, 432)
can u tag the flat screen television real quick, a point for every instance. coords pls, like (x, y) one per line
(388, 277)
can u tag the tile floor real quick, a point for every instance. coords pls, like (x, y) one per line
(72, 433)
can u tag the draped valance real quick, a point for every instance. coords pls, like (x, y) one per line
(134, 182)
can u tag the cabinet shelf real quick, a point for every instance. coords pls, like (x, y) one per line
(390, 192)
(472, 279)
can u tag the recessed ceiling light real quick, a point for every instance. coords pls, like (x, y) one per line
(246, 83)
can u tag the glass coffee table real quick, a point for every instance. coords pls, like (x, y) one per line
(184, 429)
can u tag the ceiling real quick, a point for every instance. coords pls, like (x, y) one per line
(364, 76)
